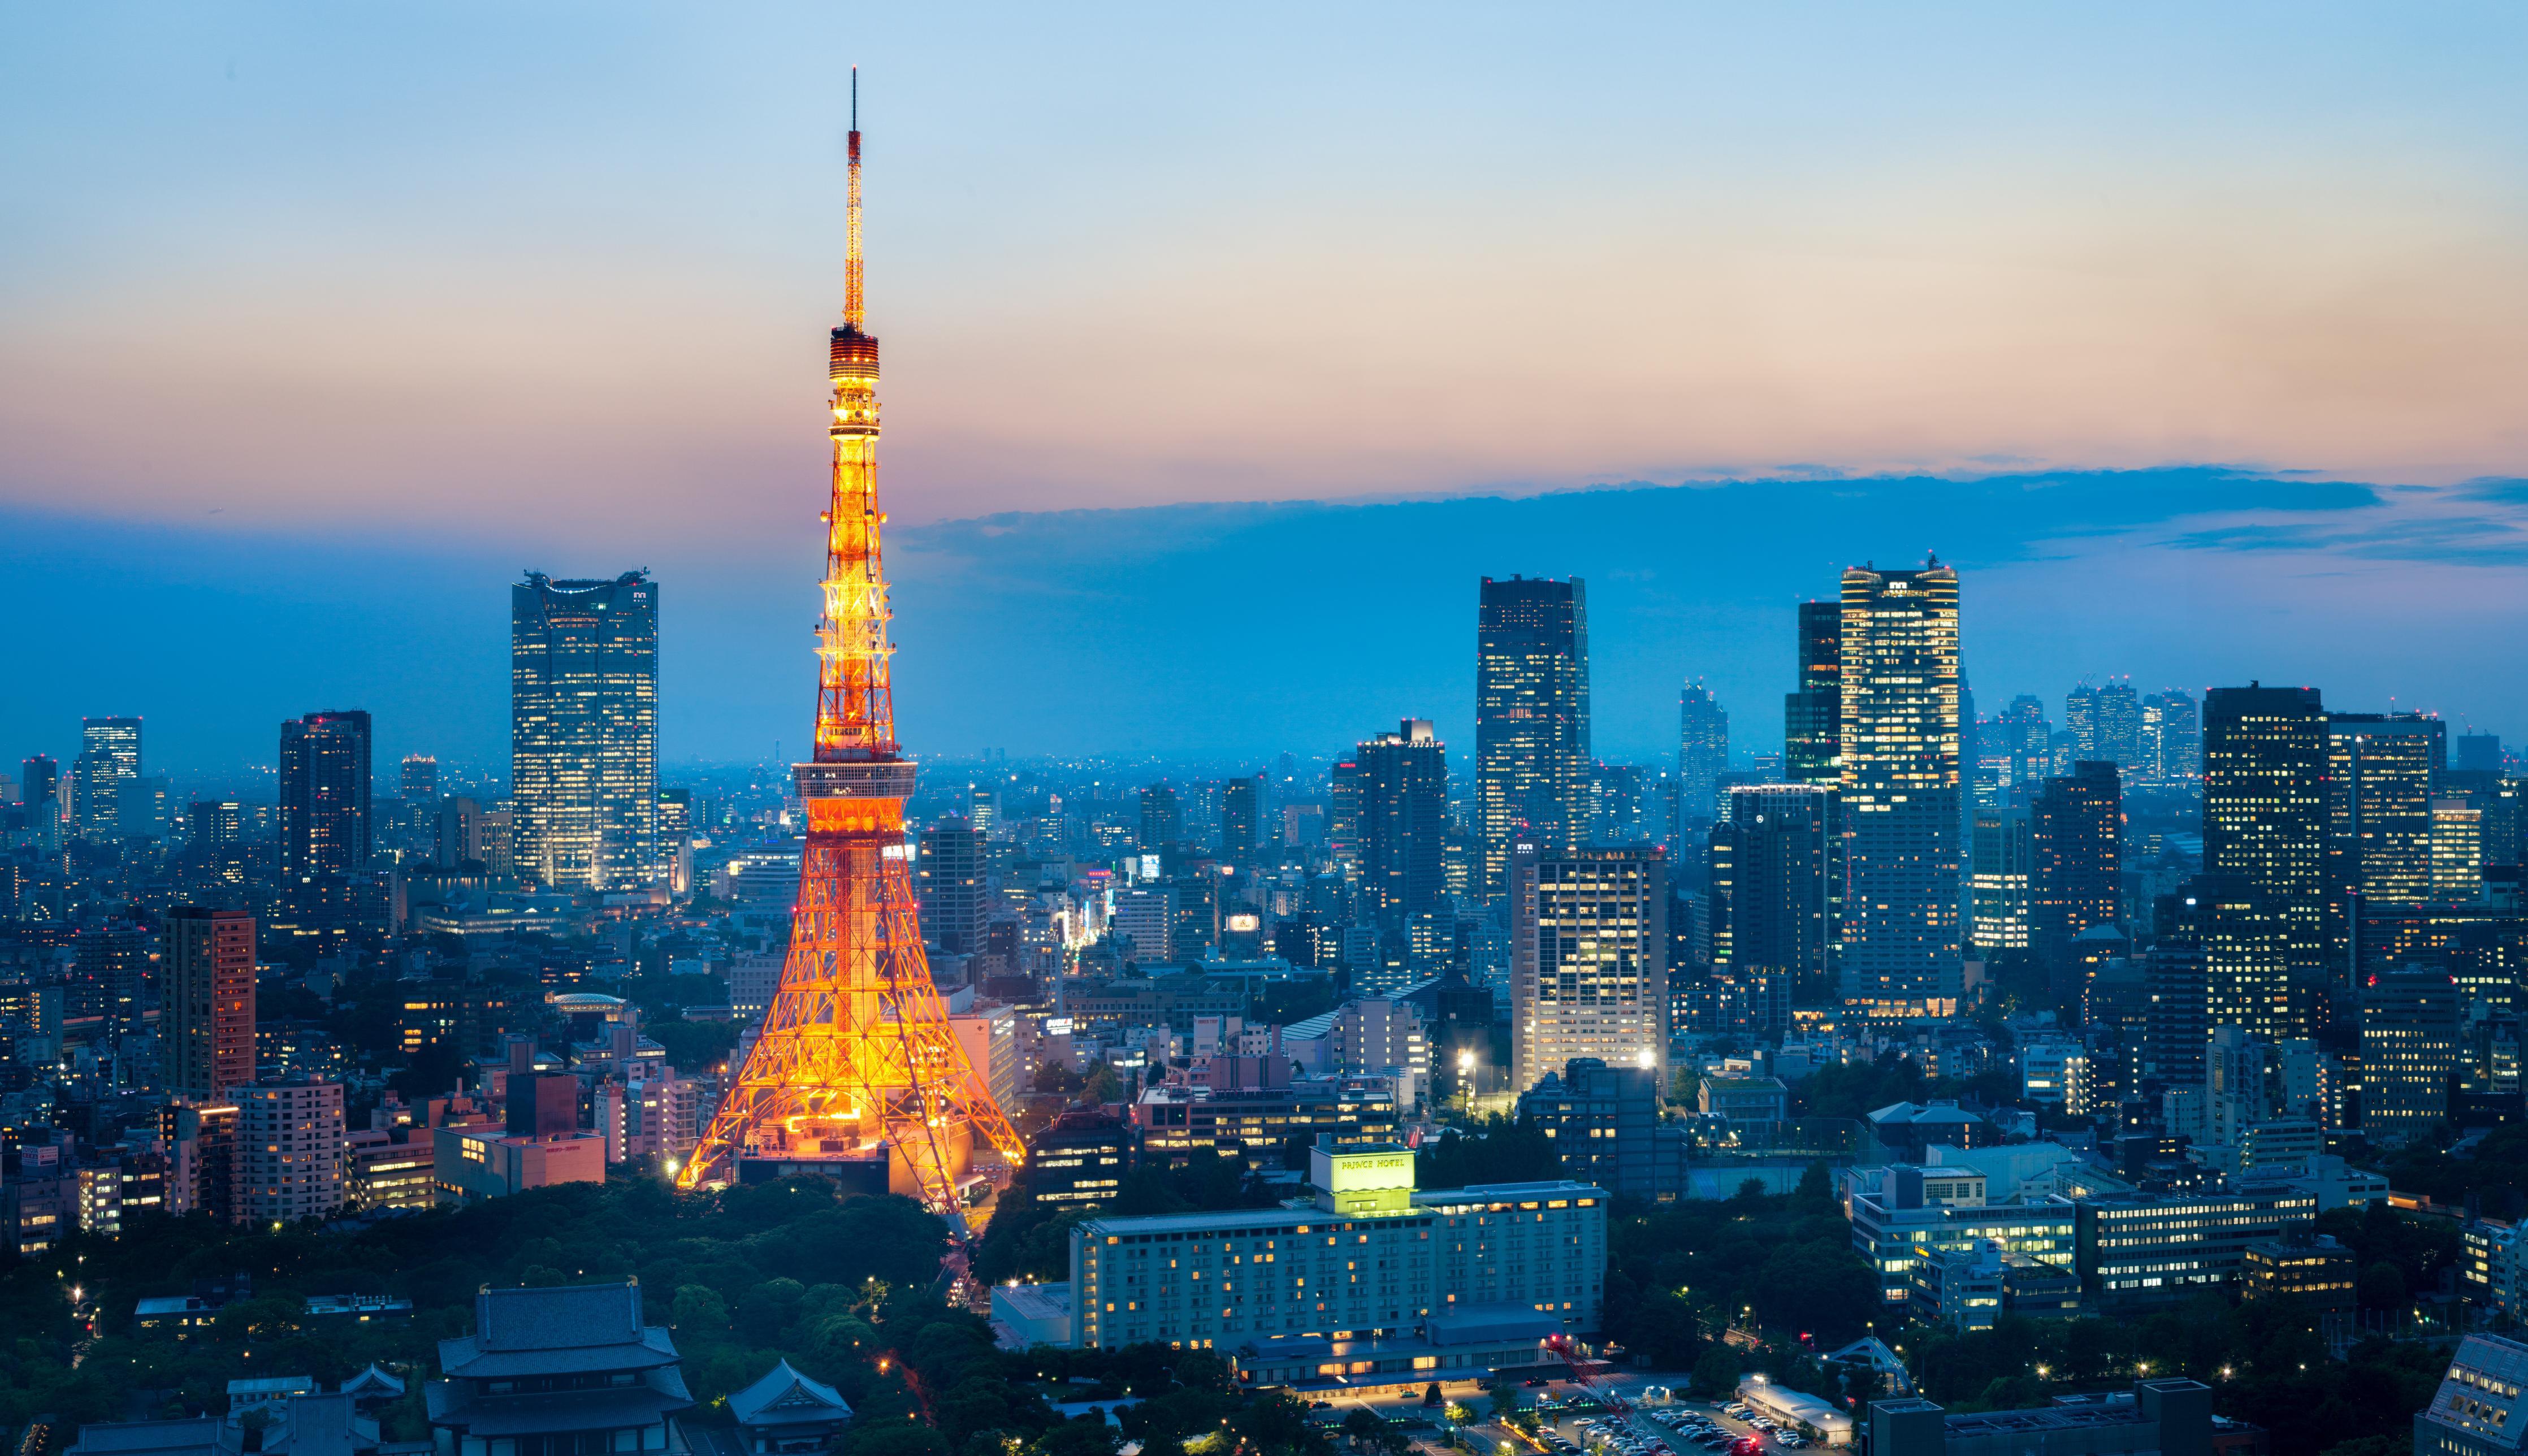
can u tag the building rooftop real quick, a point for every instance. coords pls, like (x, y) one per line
(783, 1396)
(574, 1328)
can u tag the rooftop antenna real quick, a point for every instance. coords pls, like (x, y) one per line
(852, 311)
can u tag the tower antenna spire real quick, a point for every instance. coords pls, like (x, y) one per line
(852, 305)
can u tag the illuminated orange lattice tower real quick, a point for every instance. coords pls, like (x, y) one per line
(856, 1068)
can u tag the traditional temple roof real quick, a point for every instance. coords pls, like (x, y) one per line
(786, 1397)
(573, 1328)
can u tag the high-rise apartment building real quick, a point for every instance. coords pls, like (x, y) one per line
(1404, 819)
(1531, 721)
(584, 730)
(206, 1019)
(949, 877)
(1769, 900)
(2265, 820)
(324, 820)
(109, 759)
(1998, 892)
(1588, 959)
(2076, 873)
(1813, 712)
(1161, 827)
(1901, 943)
(293, 1152)
(1702, 756)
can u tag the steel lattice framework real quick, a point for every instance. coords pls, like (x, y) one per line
(855, 1050)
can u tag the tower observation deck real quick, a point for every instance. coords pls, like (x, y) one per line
(856, 1073)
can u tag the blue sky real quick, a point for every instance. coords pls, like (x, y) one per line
(319, 322)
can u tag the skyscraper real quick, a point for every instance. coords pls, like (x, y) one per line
(40, 789)
(2171, 746)
(584, 729)
(1901, 951)
(1404, 818)
(2265, 799)
(1813, 712)
(1771, 859)
(206, 1024)
(2477, 752)
(2381, 771)
(1241, 818)
(1160, 826)
(2004, 858)
(1588, 959)
(325, 822)
(2025, 743)
(1531, 720)
(2077, 835)
(2409, 1049)
(109, 758)
(2118, 720)
(1702, 755)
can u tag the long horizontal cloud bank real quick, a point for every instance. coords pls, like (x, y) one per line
(1245, 630)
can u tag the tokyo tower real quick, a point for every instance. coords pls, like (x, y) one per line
(856, 1074)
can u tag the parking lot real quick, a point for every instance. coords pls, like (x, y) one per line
(1675, 1428)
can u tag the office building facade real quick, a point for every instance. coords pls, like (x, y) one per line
(584, 730)
(2410, 1049)
(1587, 961)
(1902, 953)
(949, 876)
(1701, 757)
(1813, 712)
(2004, 855)
(1403, 780)
(1532, 757)
(109, 760)
(2265, 820)
(2077, 872)
(1770, 898)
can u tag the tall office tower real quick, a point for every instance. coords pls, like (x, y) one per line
(2025, 743)
(676, 839)
(984, 807)
(2004, 859)
(584, 729)
(1531, 720)
(2458, 850)
(207, 1016)
(1813, 712)
(2244, 944)
(110, 976)
(1404, 818)
(215, 822)
(2080, 720)
(1342, 809)
(2265, 799)
(1588, 959)
(1702, 756)
(2119, 726)
(2076, 828)
(325, 823)
(2381, 770)
(1161, 827)
(420, 782)
(2171, 740)
(949, 879)
(2411, 1047)
(40, 789)
(1772, 915)
(2176, 982)
(1901, 953)
(109, 758)
(2477, 752)
(1241, 818)
(858, 1073)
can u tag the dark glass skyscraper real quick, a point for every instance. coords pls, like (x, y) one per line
(584, 730)
(1813, 712)
(950, 877)
(1242, 813)
(1771, 860)
(1702, 756)
(2265, 753)
(2076, 830)
(1404, 818)
(2382, 769)
(325, 791)
(1161, 826)
(109, 759)
(1901, 942)
(1532, 761)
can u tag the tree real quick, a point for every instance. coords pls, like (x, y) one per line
(1716, 1373)
(2383, 1287)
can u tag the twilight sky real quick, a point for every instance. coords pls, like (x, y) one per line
(317, 323)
